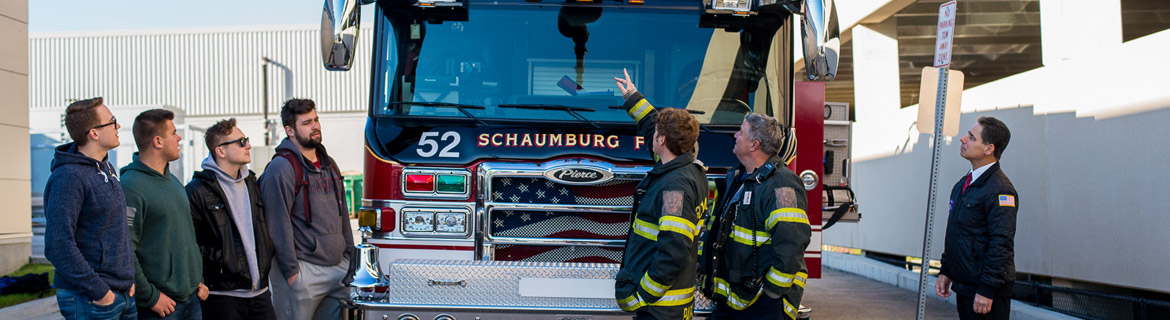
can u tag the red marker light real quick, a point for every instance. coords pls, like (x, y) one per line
(420, 183)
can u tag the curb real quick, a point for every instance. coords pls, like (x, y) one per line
(908, 280)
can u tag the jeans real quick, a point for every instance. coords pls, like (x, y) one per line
(184, 310)
(233, 308)
(76, 305)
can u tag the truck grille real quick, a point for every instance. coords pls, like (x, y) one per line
(562, 225)
(532, 218)
(558, 253)
(544, 191)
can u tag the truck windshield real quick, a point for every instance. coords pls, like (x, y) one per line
(516, 54)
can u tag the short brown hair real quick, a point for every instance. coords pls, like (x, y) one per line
(293, 108)
(149, 124)
(80, 118)
(680, 129)
(217, 133)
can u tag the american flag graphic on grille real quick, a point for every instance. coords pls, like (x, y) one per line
(564, 225)
(544, 191)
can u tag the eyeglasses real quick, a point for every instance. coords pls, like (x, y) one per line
(242, 141)
(113, 121)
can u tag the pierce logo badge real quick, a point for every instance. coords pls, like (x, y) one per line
(578, 175)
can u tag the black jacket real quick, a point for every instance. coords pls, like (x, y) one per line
(658, 273)
(754, 243)
(225, 265)
(979, 256)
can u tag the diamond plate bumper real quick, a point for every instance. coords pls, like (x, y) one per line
(508, 289)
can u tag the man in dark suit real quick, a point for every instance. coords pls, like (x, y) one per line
(978, 261)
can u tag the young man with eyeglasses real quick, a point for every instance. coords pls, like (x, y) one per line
(168, 266)
(230, 228)
(86, 236)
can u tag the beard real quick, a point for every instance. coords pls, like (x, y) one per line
(308, 141)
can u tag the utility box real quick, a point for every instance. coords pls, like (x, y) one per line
(838, 164)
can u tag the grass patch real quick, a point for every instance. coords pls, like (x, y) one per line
(15, 299)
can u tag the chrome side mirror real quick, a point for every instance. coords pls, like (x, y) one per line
(822, 39)
(339, 33)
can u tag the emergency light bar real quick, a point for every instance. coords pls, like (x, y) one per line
(440, 3)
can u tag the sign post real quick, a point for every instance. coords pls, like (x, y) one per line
(942, 60)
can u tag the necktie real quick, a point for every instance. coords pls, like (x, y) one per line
(966, 183)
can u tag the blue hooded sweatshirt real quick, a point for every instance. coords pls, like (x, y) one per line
(86, 235)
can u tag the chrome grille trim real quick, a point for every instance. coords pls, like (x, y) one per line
(488, 172)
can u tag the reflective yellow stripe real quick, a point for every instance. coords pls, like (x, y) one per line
(631, 303)
(678, 225)
(653, 287)
(672, 298)
(676, 297)
(786, 215)
(785, 280)
(789, 310)
(640, 110)
(780, 279)
(744, 236)
(646, 229)
(733, 300)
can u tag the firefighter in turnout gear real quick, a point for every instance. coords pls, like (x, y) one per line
(657, 276)
(751, 254)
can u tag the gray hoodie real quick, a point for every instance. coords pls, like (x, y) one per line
(235, 191)
(325, 238)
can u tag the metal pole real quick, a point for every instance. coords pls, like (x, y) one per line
(264, 98)
(924, 268)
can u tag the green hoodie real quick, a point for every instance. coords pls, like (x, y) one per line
(166, 256)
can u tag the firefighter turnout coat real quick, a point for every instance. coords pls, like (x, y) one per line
(755, 240)
(658, 269)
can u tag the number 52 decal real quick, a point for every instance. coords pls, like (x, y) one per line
(430, 141)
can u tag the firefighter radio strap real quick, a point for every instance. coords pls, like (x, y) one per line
(725, 226)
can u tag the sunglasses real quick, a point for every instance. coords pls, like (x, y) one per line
(113, 121)
(242, 141)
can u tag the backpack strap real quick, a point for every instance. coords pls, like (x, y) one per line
(301, 184)
(338, 190)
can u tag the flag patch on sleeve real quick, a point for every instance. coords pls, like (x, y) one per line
(1006, 200)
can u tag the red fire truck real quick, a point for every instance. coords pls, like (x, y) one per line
(500, 168)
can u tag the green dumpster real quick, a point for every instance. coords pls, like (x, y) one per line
(353, 192)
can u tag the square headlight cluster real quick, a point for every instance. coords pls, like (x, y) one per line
(437, 222)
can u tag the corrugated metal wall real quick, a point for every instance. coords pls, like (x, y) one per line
(204, 72)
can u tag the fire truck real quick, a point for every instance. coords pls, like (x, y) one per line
(499, 167)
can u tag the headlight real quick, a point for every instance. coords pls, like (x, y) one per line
(435, 222)
(418, 221)
(451, 222)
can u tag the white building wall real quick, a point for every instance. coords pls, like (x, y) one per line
(203, 71)
(1087, 157)
(15, 225)
(209, 74)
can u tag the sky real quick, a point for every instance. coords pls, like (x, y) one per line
(111, 15)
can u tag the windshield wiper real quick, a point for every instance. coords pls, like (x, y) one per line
(571, 110)
(461, 107)
(703, 127)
